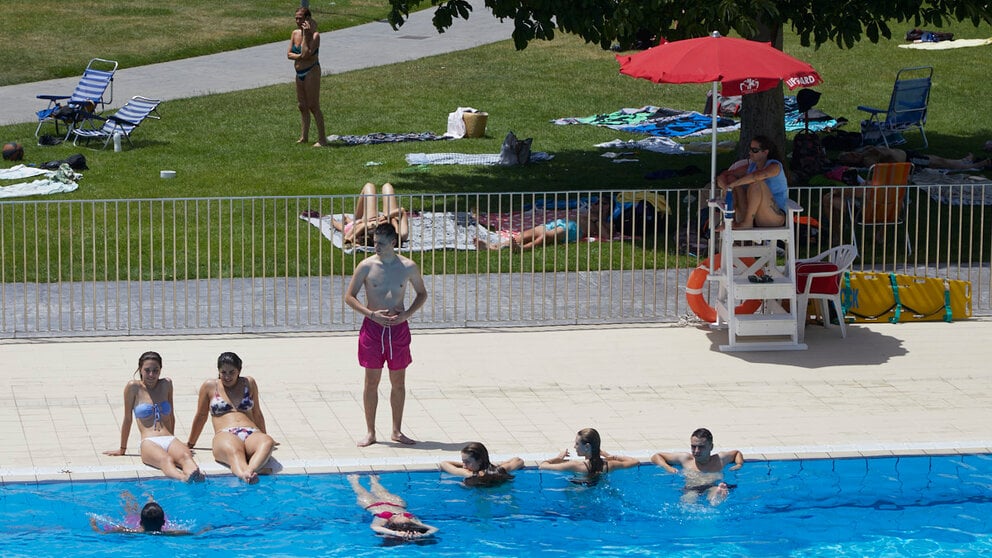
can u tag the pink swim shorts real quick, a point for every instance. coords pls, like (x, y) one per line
(378, 345)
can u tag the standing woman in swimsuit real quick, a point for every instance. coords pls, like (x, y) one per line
(596, 462)
(389, 515)
(304, 44)
(231, 400)
(149, 399)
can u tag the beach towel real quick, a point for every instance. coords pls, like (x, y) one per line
(655, 121)
(954, 189)
(944, 45)
(17, 172)
(667, 146)
(384, 137)
(428, 231)
(466, 158)
(795, 120)
(62, 180)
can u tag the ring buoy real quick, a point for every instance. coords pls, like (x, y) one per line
(694, 292)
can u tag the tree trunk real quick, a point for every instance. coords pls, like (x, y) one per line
(763, 114)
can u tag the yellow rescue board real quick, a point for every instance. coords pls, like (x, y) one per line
(891, 297)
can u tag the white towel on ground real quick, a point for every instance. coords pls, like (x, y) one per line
(428, 231)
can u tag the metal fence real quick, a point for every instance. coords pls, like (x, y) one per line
(207, 265)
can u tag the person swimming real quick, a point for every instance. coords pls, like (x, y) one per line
(390, 516)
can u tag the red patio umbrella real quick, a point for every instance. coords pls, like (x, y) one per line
(740, 65)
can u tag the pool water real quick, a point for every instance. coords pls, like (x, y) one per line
(907, 506)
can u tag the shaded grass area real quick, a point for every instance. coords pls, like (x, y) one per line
(44, 39)
(242, 144)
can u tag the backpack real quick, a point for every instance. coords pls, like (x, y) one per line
(808, 156)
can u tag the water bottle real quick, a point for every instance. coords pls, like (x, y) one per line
(728, 210)
(117, 142)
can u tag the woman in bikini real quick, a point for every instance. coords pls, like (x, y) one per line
(389, 515)
(149, 400)
(304, 44)
(596, 462)
(359, 231)
(478, 470)
(232, 401)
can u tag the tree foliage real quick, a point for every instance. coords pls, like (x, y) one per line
(609, 22)
(618, 22)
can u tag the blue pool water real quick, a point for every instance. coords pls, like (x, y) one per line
(907, 506)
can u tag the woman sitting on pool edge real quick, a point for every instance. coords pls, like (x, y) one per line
(149, 400)
(390, 517)
(478, 470)
(596, 462)
(560, 231)
(240, 441)
(358, 231)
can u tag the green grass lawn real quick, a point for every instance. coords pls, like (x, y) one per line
(243, 143)
(44, 39)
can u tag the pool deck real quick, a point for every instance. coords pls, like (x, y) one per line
(885, 390)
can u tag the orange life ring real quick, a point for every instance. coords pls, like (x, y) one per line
(694, 292)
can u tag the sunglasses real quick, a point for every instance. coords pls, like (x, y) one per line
(756, 149)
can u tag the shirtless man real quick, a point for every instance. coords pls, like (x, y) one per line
(702, 468)
(385, 334)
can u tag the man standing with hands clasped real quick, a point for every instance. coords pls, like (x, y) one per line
(385, 334)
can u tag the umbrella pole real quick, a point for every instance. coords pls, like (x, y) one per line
(712, 244)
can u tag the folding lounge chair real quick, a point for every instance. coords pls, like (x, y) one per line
(88, 96)
(124, 121)
(907, 106)
(882, 204)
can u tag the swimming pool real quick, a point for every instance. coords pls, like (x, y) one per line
(844, 507)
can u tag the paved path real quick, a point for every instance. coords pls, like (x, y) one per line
(354, 48)
(886, 389)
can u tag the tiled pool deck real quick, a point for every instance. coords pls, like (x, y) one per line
(885, 390)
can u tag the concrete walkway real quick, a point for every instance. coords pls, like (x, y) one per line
(354, 48)
(885, 390)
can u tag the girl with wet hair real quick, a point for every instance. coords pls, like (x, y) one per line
(595, 461)
(478, 470)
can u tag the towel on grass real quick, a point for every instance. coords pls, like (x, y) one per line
(954, 188)
(385, 137)
(466, 158)
(428, 231)
(21, 171)
(943, 45)
(62, 180)
(655, 121)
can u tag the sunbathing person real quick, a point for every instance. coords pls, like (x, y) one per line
(360, 230)
(390, 517)
(478, 470)
(596, 462)
(702, 469)
(560, 231)
(868, 156)
(149, 400)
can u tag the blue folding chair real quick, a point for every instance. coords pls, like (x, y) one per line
(89, 96)
(907, 106)
(122, 122)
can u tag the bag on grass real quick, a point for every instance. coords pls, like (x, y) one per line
(515, 151)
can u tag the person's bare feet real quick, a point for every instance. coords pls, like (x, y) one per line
(321, 144)
(366, 441)
(718, 494)
(303, 140)
(250, 477)
(403, 439)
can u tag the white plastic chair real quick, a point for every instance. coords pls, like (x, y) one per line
(842, 257)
